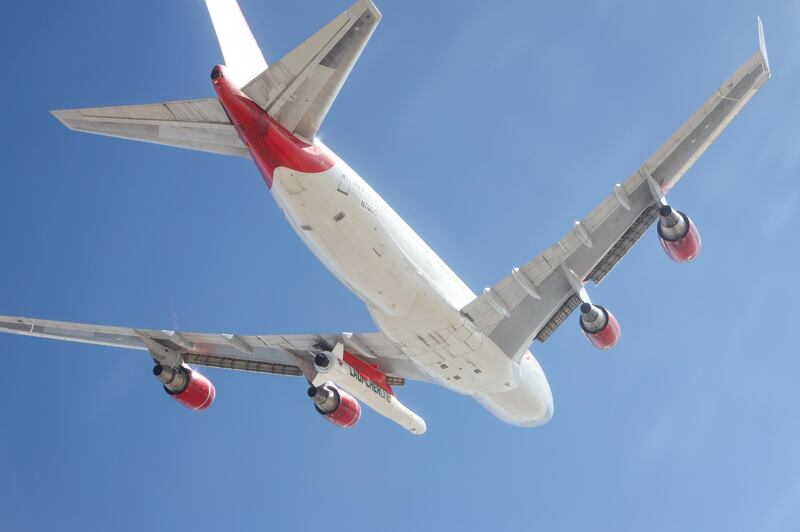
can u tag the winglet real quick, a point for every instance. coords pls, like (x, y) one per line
(372, 7)
(762, 44)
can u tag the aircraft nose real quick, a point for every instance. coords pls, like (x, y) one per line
(548, 405)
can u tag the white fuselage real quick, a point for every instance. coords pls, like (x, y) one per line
(413, 296)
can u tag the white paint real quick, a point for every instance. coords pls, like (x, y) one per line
(369, 393)
(243, 57)
(412, 295)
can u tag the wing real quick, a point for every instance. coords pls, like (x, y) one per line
(276, 354)
(194, 124)
(299, 89)
(533, 301)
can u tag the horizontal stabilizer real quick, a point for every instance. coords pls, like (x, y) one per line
(299, 89)
(193, 124)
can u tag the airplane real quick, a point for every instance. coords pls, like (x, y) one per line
(431, 326)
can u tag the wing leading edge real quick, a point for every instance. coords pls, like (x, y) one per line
(533, 301)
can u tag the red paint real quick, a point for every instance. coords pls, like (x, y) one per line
(199, 392)
(269, 143)
(608, 336)
(347, 413)
(371, 372)
(685, 248)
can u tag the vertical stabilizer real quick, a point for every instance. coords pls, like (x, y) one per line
(243, 57)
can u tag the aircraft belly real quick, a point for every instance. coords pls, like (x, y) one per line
(412, 296)
(449, 349)
(345, 233)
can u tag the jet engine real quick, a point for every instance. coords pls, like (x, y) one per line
(335, 405)
(599, 326)
(323, 362)
(189, 387)
(678, 234)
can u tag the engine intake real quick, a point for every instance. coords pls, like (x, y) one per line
(599, 326)
(189, 387)
(323, 362)
(335, 405)
(678, 235)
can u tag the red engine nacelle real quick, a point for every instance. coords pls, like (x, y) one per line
(190, 388)
(335, 405)
(678, 234)
(599, 326)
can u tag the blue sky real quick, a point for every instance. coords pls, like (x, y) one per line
(490, 129)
